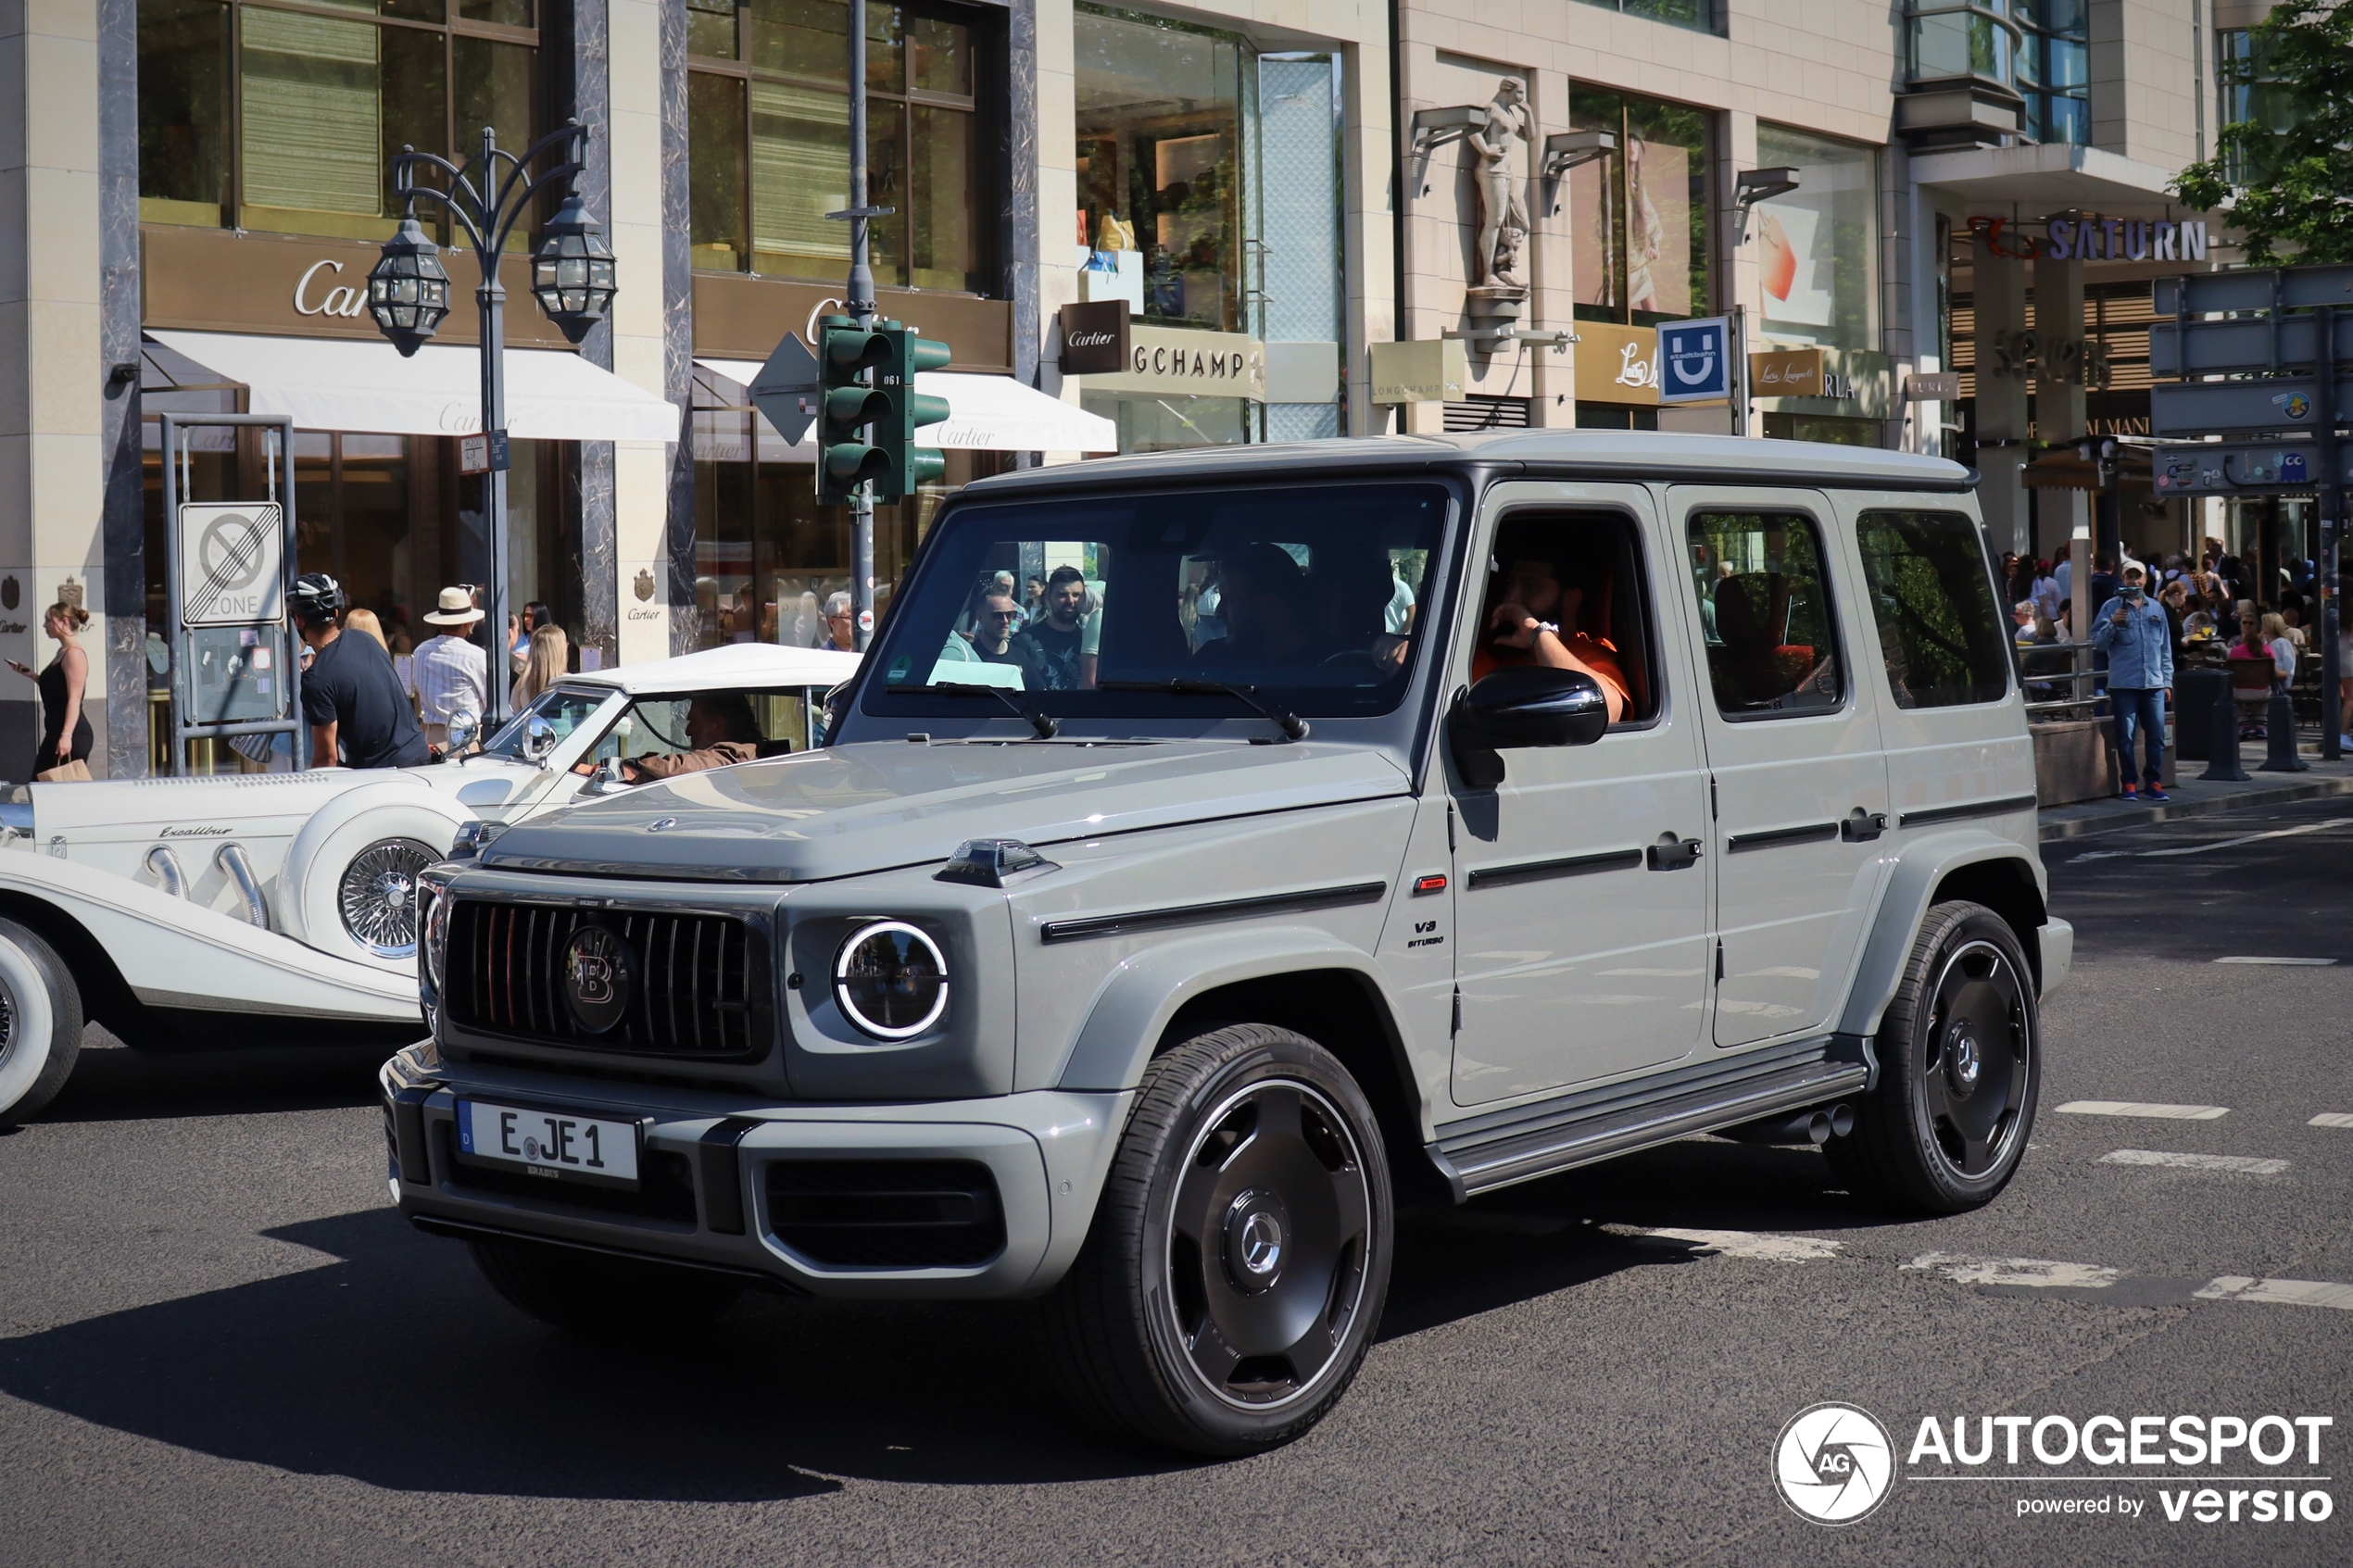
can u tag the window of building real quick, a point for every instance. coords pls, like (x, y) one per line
(2054, 68)
(1639, 243)
(260, 116)
(1961, 41)
(768, 135)
(1765, 613)
(1159, 116)
(1817, 246)
(2247, 88)
(1944, 642)
(1701, 15)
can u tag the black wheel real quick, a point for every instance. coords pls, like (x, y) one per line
(1960, 1070)
(599, 1296)
(1239, 1254)
(39, 1024)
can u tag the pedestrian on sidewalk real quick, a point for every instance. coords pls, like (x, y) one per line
(2132, 630)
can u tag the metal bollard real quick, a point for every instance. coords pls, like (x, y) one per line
(2222, 748)
(2279, 730)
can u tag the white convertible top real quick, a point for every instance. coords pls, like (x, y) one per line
(737, 664)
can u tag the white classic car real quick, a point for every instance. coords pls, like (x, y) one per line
(263, 906)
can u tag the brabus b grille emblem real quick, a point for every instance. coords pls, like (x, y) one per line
(597, 973)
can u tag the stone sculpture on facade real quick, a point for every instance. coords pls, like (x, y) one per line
(1498, 291)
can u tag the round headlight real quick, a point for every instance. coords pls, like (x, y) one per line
(891, 980)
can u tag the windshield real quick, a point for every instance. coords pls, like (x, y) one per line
(1312, 595)
(564, 707)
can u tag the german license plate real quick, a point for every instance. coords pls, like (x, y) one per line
(547, 1143)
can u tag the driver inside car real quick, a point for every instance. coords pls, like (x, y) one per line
(1260, 594)
(1533, 620)
(720, 732)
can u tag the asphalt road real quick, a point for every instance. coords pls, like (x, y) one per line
(217, 1345)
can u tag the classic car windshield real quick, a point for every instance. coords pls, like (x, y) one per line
(1311, 598)
(564, 707)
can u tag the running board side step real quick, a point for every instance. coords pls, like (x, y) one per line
(1571, 1129)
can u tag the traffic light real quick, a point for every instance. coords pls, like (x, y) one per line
(846, 352)
(907, 466)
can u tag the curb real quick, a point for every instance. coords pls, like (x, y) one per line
(2179, 810)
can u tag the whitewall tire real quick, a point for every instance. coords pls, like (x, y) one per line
(39, 1024)
(350, 873)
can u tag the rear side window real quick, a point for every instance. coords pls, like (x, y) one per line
(1765, 614)
(1945, 643)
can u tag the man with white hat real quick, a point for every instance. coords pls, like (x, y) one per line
(450, 670)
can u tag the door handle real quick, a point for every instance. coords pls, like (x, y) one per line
(1671, 854)
(1862, 826)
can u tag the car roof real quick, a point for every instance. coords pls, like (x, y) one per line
(1600, 454)
(731, 665)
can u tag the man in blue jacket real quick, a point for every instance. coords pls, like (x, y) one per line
(2132, 630)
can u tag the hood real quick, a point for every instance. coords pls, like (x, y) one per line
(849, 810)
(220, 806)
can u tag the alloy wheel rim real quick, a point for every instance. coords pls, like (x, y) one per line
(378, 895)
(1268, 1231)
(1976, 1062)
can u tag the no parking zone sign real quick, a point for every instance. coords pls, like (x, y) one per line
(1696, 360)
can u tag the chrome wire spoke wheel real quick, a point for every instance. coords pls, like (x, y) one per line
(378, 895)
(1978, 1058)
(1268, 1226)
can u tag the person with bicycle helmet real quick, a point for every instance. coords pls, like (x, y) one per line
(357, 713)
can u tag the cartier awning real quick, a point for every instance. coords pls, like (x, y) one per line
(333, 383)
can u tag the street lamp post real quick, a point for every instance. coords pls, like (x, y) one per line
(571, 276)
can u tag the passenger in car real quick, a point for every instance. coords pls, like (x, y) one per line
(720, 729)
(1263, 601)
(1533, 620)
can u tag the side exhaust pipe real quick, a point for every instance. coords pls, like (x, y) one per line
(164, 866)
(232, 858)
(1816, 1126)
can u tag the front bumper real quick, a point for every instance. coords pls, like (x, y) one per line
(1047, 1153)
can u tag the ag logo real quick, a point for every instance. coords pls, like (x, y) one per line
(1834, 1463)
(597, 971)
(644, 585)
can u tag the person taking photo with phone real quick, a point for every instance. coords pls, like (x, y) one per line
(2132, 630)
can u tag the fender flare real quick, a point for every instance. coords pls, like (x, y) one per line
(408, 809)
(1144, 991)
(1920, 869)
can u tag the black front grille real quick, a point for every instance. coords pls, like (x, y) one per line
(699, 984)
(665, 1186)
(887, 1213)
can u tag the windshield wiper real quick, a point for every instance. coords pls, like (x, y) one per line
(1040, 719)
(1291, 724)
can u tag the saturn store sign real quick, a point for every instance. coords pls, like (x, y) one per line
(1166, 361)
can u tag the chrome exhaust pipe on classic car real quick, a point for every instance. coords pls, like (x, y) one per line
(164, 866)
(232, 858)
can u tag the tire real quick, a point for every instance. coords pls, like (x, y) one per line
(1961, 1054)
(375, 836)
(598, 1295)
(1239, 1260)
(41, 1023)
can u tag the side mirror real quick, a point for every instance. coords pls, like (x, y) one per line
(462, 727)
(538, 739)
(1523, 705)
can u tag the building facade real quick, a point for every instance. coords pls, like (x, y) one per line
(1253, 207)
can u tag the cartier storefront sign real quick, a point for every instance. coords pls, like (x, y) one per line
(212, 280)
(1095, 338)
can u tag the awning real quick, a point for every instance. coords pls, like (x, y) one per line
(2051, 177)
(985, 414)
(332, 384)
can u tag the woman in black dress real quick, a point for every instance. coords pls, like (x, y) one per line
(65, 728)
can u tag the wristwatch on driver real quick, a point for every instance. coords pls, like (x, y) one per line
(1541, 626)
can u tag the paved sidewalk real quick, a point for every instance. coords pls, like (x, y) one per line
(2192, 798)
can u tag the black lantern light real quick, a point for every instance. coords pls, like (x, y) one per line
(408, 290)
(572, 272)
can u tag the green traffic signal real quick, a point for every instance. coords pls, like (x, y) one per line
(847, 353)
(911, 465)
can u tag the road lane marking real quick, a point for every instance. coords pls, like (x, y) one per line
(2301, 963)
(1966, 1270)
(2252, 838)
(2331, 1119)
(2142, 1108)
(2240, 1164)
(1750, 1244)
(2283, 1292)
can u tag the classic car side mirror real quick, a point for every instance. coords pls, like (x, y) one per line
(462, 728)
(1522, 705)
(606, 779)
(539, 739)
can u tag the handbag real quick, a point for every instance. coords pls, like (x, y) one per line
(75, 771)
